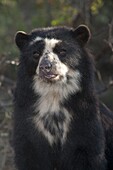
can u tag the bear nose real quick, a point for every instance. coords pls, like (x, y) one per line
(45, 65)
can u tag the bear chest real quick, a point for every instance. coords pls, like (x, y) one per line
(52, 120)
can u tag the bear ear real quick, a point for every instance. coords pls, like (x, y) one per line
(21, 39)
(82, 34)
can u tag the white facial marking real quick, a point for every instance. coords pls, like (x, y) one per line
(50, 44)
(35, 40)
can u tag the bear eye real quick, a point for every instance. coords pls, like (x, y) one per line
(36, 55)
(62, 52)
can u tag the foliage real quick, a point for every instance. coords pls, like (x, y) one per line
(96, 5)
(64, 16)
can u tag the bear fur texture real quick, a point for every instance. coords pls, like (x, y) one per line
(58, 124)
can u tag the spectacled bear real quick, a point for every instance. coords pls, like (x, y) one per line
(58, 124)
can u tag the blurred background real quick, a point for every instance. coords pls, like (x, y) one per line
(26, 15)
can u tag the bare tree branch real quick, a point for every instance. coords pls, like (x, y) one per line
(108, 86)
(110, 39)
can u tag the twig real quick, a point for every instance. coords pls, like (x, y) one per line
(110, 39)
(4, 105)
(2, 122)
(110, 84)
(6, 80)
(4, 156)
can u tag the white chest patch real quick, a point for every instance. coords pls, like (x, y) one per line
(52, 120)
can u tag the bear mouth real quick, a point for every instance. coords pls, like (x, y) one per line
(50, 76)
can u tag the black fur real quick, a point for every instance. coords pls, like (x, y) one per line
(89, 142)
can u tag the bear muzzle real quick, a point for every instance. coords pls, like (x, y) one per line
(47, 69)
